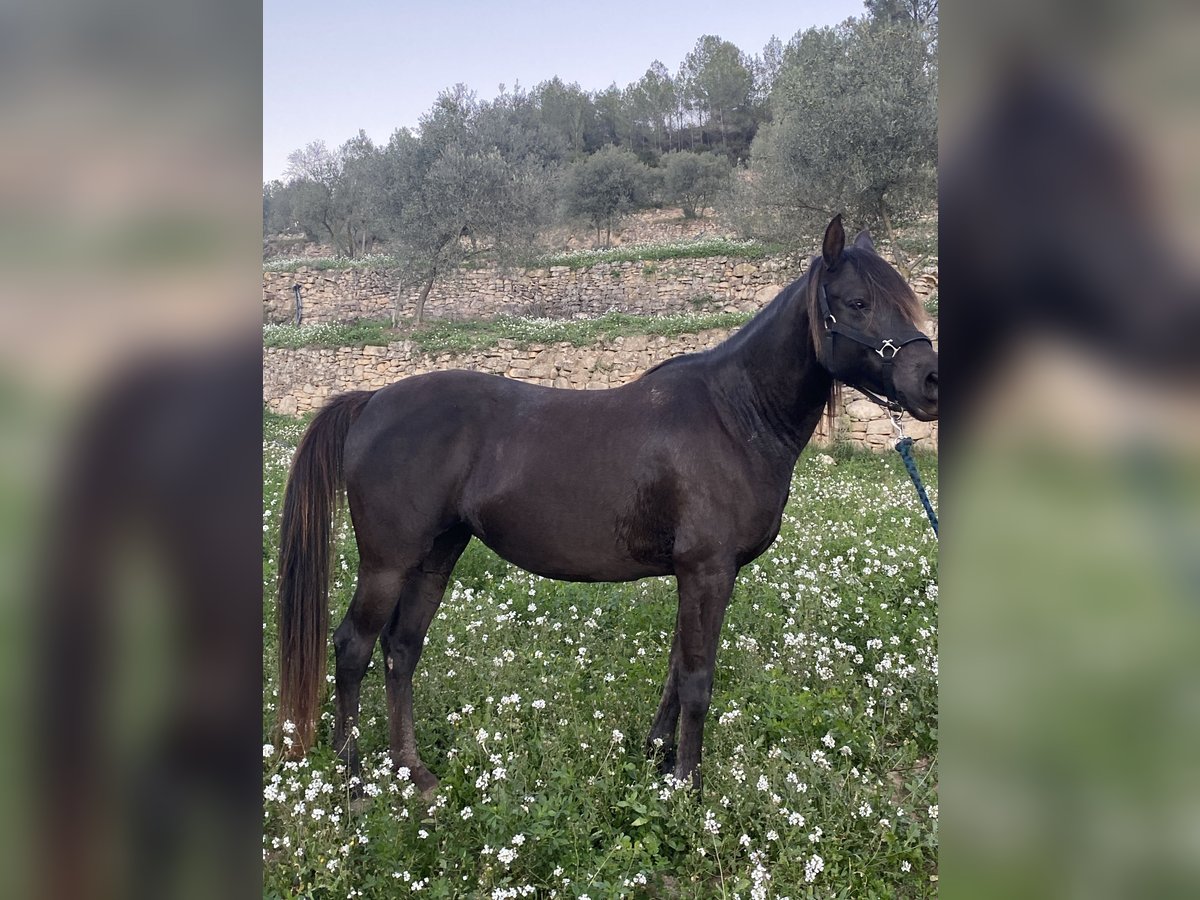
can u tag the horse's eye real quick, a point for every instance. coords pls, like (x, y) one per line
(858, 304)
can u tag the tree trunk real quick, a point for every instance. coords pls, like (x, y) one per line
(424, 295)
(337, 247)
(897, 253)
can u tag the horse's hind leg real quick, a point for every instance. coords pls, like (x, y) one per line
(374, 599)
(402, 642)
(660, 743)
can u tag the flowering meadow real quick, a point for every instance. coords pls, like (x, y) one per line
(533, 699)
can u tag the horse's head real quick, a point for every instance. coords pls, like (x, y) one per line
(864, 318)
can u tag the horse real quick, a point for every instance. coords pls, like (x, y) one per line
(684, 471)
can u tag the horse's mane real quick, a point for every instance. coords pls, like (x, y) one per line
(666, 362)
(764, 318)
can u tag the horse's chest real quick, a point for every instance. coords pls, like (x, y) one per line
(758, 529)
(760, 540)
(757, 512)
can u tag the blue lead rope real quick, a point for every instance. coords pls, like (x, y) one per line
(904, 448)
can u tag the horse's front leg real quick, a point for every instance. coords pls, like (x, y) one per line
(704, 592)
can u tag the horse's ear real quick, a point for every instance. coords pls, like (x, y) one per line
(863, 241)
(834, 243)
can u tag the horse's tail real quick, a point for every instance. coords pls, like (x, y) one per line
(305, 546)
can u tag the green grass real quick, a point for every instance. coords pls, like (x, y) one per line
(333, 334)
(575, 259)
(654, 252)
(325, 263)
(467, 336)
(931, 304)
(461, 337)
(548, 688)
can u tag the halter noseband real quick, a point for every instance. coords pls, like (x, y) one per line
(887, 348)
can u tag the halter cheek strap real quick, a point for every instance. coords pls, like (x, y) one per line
(886, 347)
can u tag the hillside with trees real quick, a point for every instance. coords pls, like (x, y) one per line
(840, 119)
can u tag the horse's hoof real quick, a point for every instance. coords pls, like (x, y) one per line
(666, 764)
(663, 756)
(690, 775)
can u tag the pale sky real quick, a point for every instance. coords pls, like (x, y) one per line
(330, 69)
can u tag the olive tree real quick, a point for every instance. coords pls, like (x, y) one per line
(604, 186)
(448, 192)
(853, 130)
(693, 179)
(327, 194)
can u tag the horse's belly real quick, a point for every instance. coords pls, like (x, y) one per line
(565, 563)
(566, 551)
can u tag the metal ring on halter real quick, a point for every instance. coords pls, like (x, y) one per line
(887, 345)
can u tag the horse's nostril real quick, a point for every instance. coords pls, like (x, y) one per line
(931, 385)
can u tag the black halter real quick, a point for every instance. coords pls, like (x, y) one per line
(887, 348)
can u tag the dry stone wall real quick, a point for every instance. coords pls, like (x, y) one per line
(560, 292)
(296, 381)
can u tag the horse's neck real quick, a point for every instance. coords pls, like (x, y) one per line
(770, 379)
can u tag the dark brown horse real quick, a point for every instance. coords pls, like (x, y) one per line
(683, 472)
